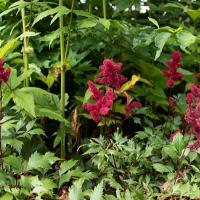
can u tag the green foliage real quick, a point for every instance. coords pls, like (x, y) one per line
(140, 162)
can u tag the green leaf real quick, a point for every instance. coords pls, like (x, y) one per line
(75, 192)
(170, 151)
(153, 21)
(37, 162)
(185, 39)
(66, 165)
(42, 187)
(50, 113)
(7, 196)
(178, 142)
(160, 40)
(98, 192)
(15, 163)
(59, 9)
(105, 22)
(28, 34)
(88, 23)
(24, 101)
(194, 14)
(7, 47)
(162, 168)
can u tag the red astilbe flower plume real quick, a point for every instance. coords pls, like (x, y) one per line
(4, 73)
(103, 103)
(110, 75)
(172, 73)
(192, 116)
(129, 107)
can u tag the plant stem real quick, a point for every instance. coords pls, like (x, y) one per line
(182, 157)
(62, 89)
(104, 9)
(25, 44)
(90, 7)
(69, 30)
(1, 117)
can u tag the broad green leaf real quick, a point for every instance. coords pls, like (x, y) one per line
(162, 168)
(194, 14)
(185, 39)
(98, 192)
(170, 151)
(7, 196)
(178, 142)
(83, 14)
(24, 101)
(105, 22)
(88, 23)
(66, 165)
(160, 40)
(50, 113)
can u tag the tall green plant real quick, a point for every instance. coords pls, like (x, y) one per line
(62, 89)
(25, 44)
(64, 53)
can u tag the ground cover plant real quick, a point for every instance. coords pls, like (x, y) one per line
(99, 99)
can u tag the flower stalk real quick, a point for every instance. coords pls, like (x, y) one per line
(25, 44)
(104, 9)
(62, 89)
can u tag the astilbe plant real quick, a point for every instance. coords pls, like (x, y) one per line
(4, 73)
(111, 78)
(110, 75)
(4, 76)
(192, 116)
(172, 73)
(103, 103)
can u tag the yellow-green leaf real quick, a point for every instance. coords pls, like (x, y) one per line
(129, 84)
(6, 48)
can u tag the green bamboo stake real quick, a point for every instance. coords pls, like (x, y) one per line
(62, 89)
(25, 45)
(104, 9)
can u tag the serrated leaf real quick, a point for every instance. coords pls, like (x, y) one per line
(28, 34)
(14, 163)
(50, 12)
(75, 192)
(98, 192)
(50, 113)
(160, 40)
(24, 101)
(37, 161)
(66, 165)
